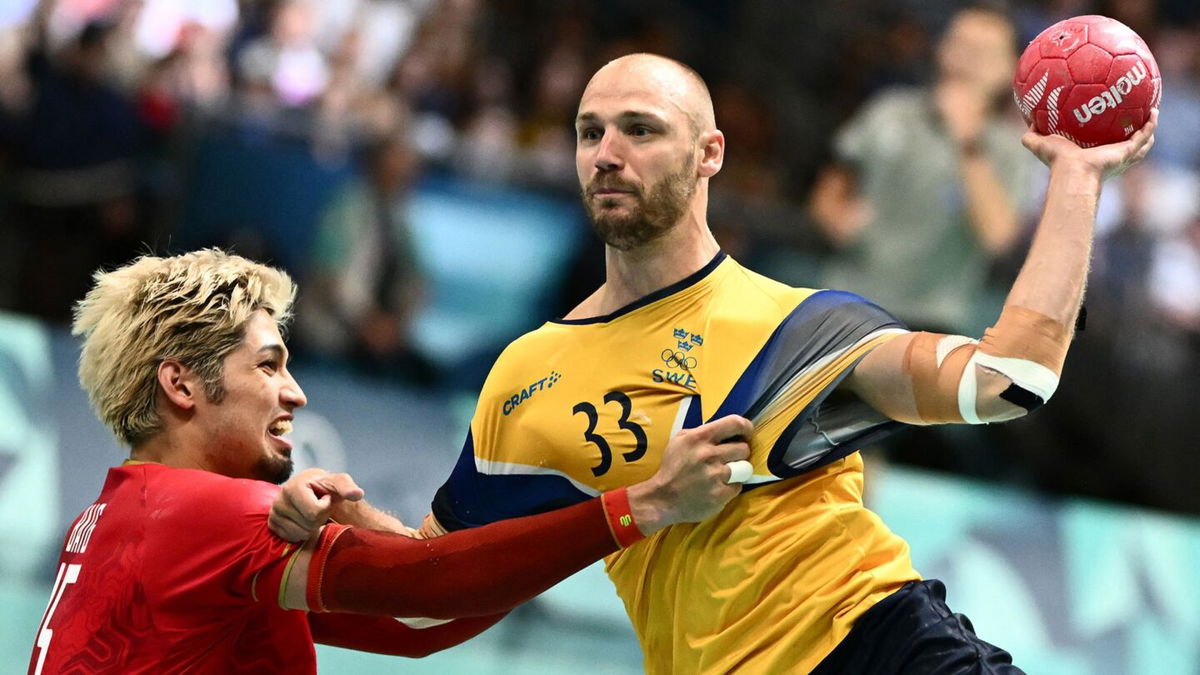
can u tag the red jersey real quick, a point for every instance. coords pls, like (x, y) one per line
(173, 571)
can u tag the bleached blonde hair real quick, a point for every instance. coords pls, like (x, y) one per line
(191, 307)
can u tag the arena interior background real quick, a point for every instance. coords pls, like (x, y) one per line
(1070, 538)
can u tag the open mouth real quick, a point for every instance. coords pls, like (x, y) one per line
(280, 428)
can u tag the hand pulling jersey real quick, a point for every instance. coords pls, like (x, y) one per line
(576, 407)
(173, 571)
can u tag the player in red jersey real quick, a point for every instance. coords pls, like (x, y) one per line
(173, 570)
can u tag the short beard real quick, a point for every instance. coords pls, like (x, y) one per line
(274, 469)
(653, 216)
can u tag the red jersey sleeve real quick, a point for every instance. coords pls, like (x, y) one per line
(469, 573)
(207, 546)
(160, 575)
(385, 635)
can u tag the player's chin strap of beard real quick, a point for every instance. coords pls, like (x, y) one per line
(1025, 346)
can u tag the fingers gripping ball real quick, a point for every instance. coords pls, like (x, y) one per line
(1090, 79)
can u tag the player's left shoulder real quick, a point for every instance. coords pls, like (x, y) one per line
(252, 496)
(192, 492)
(817, 314)
(845, 307)
(203, 520)
(747, 290)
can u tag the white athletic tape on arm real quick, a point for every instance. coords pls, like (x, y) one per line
(967, 388)
(950, 343)
(967, 393)
(1025, 374)
(739, 471)
(1031, 376)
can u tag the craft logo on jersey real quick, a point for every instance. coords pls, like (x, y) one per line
(526, 393)
(1113, 96)
(678, 359)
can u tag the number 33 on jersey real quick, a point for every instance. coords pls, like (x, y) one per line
(577, 407)
(581, 406)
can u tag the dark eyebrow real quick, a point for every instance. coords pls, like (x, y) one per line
(276, 350)
(627, 116)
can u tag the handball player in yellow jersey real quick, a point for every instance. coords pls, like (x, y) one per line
(795, 575)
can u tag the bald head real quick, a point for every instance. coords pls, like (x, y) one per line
(657, 80)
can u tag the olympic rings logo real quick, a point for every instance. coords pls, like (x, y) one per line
(675, 359)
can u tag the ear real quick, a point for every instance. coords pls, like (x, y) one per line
(712, 153)
(178, 384)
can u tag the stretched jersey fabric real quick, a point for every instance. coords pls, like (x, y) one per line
(576, 407)
(173, 571)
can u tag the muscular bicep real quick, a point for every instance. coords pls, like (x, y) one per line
(918, 378)
(880, 381)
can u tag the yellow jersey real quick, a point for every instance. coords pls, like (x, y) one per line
(577, 407)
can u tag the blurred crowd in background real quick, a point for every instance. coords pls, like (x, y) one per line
(851, 129)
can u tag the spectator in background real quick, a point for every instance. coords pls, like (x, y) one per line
(199, 77)
(931, 184)
(366, 284)
(1177, 51)
(1175, 281)
(559, 80)
(488, 150)
(929, 189)
(1138, 355)
(74, 143)
(287, 59)
(435, 76)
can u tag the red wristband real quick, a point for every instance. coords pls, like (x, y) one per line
(620, 518)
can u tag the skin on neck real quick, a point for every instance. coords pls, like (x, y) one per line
(180, 442)
(635, 273)
(646, 81)
(174, 447)
(168, 450)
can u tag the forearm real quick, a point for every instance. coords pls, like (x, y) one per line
(385, 635)
(1053, 278)
(990, 211)
(477, 572)
(363, 515)
(928, 378)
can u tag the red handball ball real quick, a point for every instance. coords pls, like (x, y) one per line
(1090, 79)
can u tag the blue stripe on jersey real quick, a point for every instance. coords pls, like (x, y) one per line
(469, 498)
(805, 322)
(694, 416)
(823, 323)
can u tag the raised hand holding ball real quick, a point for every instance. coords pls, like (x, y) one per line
(1090, 79)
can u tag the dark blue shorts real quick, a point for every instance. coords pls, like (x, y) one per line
(913, 631)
